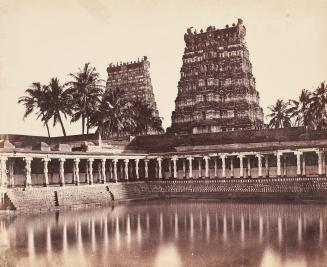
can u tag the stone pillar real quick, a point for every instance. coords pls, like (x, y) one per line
(206, 160)
(100, 179)
(4, 178)
(137, 161)
(278, 154)
(323, 164)
(90, 162)
(169, 168)
(11, 172)
(28, 162)
(231, 168)
(120, 170)
(240, 156)
(156, 170)
(146, 168)
(190, 167)
(62, 171)
(320, 155)
(111, 174)
(284, 166)
(45, 171)
(200, 167)
(76, 171)
(184, 169)
(131, 170)
(175, 167)
(159, 160)
(267, 165)
(248, 159)
(215, 167)
(259, 156)
(298, 162)
(223, 165)
(115, 161)
(126, 168)
(103, 171)
(303, 165)
(87, 173)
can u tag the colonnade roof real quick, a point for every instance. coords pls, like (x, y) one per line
(242, 140)
(231, 139)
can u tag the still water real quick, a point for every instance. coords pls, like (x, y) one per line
(169, 233)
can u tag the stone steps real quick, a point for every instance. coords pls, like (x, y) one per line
(132, 191)
(49, 198)
(41, 199)
(84, 195)
(34, 199)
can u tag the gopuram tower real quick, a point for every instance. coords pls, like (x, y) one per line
(216, 91)
(133, 80)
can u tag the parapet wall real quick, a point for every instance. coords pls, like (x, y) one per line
(40, 199)
(277, 188)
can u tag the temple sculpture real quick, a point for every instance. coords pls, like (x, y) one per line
(216, 90)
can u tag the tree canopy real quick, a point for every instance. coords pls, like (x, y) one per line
(84, 98)
(309, 110)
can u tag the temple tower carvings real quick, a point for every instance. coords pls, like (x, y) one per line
(216, 90)
(134, 81)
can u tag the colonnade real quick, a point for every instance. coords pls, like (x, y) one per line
(103, 174)
(128, 168)
(245, 162)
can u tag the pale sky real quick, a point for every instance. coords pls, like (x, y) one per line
(40, 39)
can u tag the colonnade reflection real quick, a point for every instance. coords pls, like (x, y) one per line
(205, 228)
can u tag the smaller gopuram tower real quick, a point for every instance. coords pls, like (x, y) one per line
(133, 80)
(216, 91)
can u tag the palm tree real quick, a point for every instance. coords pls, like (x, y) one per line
(86, 88)
(145, 119)
(35, 100)
(279, 116)
(58, 103)
(113, 115)
(318, 106)
(299, 110)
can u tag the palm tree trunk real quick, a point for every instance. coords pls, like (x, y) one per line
(47, 125)
(83, 123)
(87, 125)
(62, 125)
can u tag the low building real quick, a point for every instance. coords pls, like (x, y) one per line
(291, 152)
(76, 170)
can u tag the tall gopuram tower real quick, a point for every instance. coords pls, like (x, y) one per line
(133, 80)
(216, 91)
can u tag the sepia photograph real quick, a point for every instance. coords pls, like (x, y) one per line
(163, 133)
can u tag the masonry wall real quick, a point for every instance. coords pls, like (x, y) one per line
(52, 198)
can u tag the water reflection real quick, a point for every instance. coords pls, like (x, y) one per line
(173, 233)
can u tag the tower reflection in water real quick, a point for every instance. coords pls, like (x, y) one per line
(173, 233)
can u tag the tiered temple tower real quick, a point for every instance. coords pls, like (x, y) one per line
(216, 91)
(133, 79)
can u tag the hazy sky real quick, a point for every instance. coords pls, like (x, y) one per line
(40, 39)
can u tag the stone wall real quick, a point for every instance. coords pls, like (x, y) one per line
(53, 198)
(278, 188)
(39, 199)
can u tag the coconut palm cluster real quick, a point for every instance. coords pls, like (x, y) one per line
(309, 110)
(85, 99)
